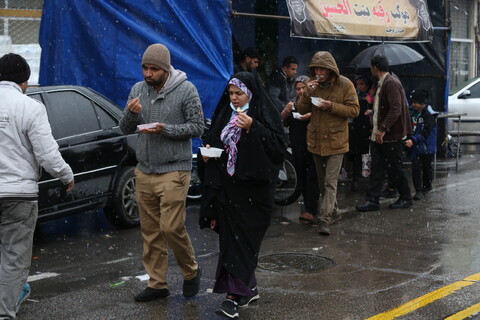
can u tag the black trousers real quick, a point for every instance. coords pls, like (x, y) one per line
(387, 158)
(422, 172)
(307, 177)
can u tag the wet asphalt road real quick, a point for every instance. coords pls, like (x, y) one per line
(84, 268)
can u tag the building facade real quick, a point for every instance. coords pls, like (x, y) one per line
(19, 30)
(464, 63)
(20, 24)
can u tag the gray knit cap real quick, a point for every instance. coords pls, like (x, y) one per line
(158, 55)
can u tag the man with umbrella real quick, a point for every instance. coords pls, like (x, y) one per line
(391, 126)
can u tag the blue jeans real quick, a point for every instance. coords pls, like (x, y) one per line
(17, 224)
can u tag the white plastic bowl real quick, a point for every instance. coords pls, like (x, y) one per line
(316, 101)
(211, 152)
(296, 115)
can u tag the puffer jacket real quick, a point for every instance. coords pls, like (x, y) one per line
(327, 133)
(425, 136)
(27, 144)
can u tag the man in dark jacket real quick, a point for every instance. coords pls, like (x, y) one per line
(391, 126)
(281, 85)
(248, 60)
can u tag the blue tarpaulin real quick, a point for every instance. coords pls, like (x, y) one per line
(99, 43)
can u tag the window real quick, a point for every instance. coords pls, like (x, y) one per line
(70, 114)
(459, 66)
(462, 44)
(106, 120)
(36, 96)
(475, 91)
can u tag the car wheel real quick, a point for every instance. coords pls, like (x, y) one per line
(122, 210)
(287, 188)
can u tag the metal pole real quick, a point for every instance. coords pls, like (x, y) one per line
(235, 13)
(458, 141)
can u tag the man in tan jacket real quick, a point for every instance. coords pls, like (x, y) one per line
(332, 99)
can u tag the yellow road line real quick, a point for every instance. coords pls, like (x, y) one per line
(21, 13)
(465, 313)
(426, 299)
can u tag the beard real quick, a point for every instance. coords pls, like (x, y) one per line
(156, 83)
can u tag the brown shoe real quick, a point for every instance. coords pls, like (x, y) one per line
(306, 218)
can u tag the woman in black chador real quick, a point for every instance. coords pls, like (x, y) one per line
(237, 199)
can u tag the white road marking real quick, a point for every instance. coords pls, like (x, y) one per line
(116, 261)
(41, 276)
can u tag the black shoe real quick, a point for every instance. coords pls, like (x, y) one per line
(418, 196)
(368, 206)
(389, 194)
(151, 293)
(244, 301)
(228, 309)
(323, 229)
(401, 204)
(192, 286)
(427, 190)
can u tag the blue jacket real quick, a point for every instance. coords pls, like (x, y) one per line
(425, 132)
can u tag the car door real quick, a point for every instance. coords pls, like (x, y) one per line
(466, 103)
(90, 142)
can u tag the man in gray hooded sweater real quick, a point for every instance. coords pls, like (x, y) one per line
(167, 110)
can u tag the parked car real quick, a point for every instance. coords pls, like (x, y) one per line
(465, 98)
(85, 126)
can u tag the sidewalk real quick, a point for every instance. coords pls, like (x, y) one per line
(347, 199)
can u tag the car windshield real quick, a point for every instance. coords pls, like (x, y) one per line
(462, 86)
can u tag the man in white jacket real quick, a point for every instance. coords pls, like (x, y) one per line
(27, 144)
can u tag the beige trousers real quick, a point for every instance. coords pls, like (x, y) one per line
(161, 200)
(328, 170)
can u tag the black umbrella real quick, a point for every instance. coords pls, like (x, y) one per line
(396, 54)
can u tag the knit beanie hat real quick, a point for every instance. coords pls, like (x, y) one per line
(419, 96)
(158, 55)
(14, 68)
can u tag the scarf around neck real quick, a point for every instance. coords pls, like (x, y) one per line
(230, 136)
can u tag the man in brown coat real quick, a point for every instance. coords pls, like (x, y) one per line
(391, 126)
(332, 99)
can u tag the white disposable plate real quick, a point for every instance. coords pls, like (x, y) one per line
(147, 126)
(211, 152)
(316, 101)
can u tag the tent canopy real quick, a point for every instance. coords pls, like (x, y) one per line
(99, 44)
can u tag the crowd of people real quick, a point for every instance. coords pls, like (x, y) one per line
(328, 119)
(325, 117)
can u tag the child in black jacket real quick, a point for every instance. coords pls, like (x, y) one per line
(423, 143)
